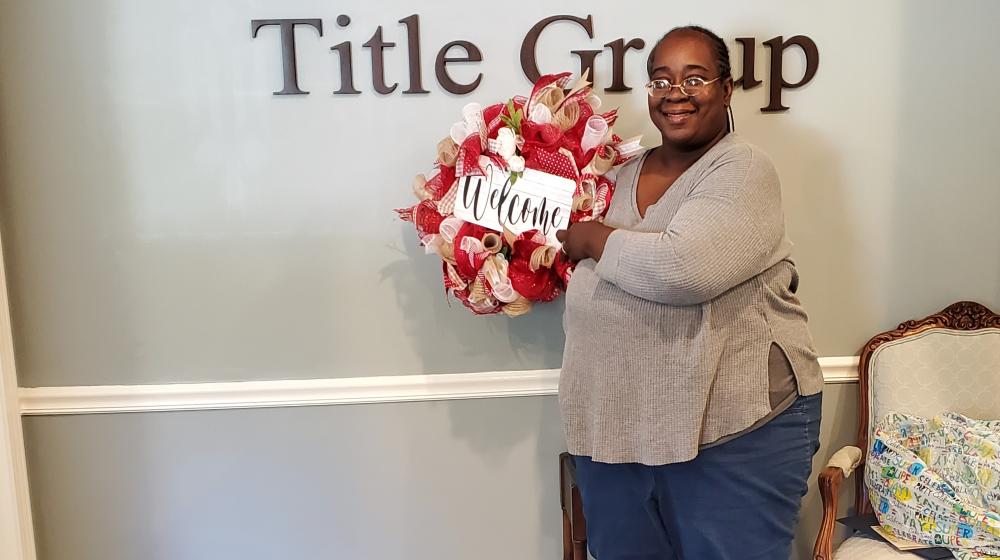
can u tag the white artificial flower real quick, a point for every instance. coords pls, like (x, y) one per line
(516, 163)
(506, 143)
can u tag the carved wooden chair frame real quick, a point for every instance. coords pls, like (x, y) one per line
(961, 316)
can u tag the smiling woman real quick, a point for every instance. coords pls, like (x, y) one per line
(690, 388)
(683, 104)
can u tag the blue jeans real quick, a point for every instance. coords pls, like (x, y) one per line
(736, 501)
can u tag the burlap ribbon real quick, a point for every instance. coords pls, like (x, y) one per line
(491, 243)
(567, 115)
(542, 257)
(477, 292)
(602, 162)
(582, 83)
(420, 188)
(509, 236)
(447, 252)
(517, 307)
(447, 152)
(550, 96)
(591, 199)
(583, 202)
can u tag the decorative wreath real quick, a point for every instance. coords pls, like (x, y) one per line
(554, 135)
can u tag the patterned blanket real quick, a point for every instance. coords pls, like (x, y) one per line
(937, 482)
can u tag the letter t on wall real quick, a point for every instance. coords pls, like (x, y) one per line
(288, 67)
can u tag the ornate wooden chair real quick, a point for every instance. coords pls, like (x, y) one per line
(946, 362)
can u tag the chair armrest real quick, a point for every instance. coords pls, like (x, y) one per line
(839, 467)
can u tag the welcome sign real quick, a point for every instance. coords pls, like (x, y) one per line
(535, 201)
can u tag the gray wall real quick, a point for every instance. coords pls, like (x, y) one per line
(443, 481)
(167, 219)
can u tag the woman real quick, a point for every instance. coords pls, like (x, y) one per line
(690, 388)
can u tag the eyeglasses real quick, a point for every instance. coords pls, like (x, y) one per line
(690, 87)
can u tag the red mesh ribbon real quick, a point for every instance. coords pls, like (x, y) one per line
(439, 184)
(468, 157)
(573, 136)
(555, 163)
(540, 137)
(468, 265)
(426, 218)
(539, 285)
(563, 268)
(491, 115)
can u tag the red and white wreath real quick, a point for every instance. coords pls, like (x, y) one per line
(501, 254)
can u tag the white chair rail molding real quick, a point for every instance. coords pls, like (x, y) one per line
(94, 399)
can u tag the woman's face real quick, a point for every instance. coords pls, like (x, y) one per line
(686, 122)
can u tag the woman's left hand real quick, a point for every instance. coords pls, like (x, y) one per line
(584, 240)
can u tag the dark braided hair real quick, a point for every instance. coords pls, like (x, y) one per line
(721, 59)
(721, 50)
